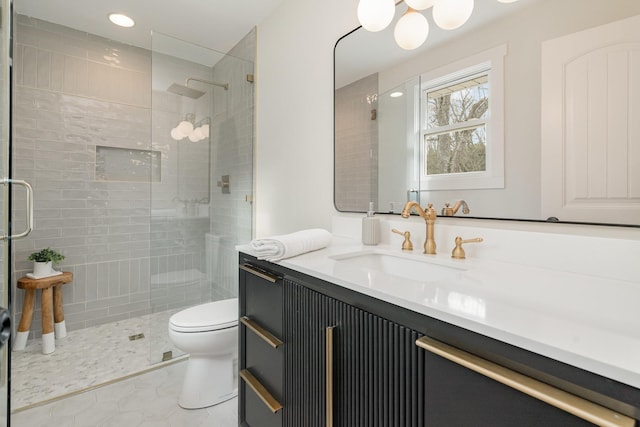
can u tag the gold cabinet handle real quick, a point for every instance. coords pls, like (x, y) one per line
(560, 399)
(268, 399)
(263, 274)
(329, 375)
(261, 332)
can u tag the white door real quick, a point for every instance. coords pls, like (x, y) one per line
(591, 124)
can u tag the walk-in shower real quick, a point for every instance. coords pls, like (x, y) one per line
(144, 228)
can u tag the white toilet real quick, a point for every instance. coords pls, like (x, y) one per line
(209, 334)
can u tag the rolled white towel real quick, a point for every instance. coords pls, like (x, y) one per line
(276, 248)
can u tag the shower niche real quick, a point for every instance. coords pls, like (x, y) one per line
(127, 164)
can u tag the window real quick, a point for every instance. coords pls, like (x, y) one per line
(461, 135)
(455, 136)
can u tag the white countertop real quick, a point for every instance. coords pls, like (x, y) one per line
(589, 322)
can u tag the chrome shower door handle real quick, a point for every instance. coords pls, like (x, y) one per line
(27, 186)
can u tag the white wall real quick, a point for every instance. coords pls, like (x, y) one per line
(294, 119)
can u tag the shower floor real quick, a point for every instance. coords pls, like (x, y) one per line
(88, 358)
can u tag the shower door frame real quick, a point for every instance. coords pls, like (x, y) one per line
(6, 15)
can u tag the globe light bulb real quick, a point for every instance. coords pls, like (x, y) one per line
(205, 131)
(196, 135)
(185, 127)
(176, 134)
(420, 4)
(451, 14)
(411, 30)
(376, 15)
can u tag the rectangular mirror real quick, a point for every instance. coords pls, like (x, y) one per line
(529, 111)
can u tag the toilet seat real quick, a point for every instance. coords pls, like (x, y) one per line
(211, 316)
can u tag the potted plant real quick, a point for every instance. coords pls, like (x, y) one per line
(43, 261)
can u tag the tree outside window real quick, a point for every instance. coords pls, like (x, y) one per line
(455, 133)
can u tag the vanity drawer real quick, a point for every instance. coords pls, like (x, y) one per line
(263, 297)
(262, 354)
(264, 361)
(260, 409)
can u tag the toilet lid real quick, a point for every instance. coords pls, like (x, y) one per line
(206, 317)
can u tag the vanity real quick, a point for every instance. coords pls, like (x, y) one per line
(351, 335)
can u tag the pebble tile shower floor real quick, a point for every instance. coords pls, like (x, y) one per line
(87, 358)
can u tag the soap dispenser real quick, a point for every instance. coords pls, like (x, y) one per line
(370, 227)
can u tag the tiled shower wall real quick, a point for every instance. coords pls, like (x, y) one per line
(357, 150)
(74, 91)
(232, 154)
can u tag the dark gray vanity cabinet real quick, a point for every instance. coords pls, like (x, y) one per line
(348, 367)
(347, 359)
(457, 396)
(378, 376)
(261, 354)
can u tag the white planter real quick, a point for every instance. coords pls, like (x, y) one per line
(42, 268)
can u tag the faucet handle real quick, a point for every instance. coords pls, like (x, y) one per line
(458, 252)
(406, 245)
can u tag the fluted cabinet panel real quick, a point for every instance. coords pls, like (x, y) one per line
(378, 377)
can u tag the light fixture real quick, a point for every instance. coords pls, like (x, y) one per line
(376, 15)
(419, 4)
(452, 14)
(186, 129)
(411, 30)
(396, 94)
(121, 20)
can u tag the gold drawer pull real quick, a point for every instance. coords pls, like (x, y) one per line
(259, 389)
(329, 375)
(261, 332)
(560, 399)
(263, 274)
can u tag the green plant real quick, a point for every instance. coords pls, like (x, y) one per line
(46, 255)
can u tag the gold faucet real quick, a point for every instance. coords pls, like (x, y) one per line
(458, 252)
(429, 216)
(406, 245)
(448, 211)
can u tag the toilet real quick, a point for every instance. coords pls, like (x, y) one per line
(209, 334)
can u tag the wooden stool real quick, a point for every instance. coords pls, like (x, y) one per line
(50, 303)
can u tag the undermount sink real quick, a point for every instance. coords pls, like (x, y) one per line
(406, 266)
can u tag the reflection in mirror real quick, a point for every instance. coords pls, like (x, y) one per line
(564, 154)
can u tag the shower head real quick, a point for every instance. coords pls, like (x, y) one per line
(185, 91)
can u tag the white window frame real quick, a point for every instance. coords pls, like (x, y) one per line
(492, 62)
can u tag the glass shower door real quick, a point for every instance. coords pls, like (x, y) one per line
(202, 132)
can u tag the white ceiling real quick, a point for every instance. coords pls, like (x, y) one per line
(215, 24)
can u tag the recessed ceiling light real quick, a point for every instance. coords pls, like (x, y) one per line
(121, 20)
(395, 94)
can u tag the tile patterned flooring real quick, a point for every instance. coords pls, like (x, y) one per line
(147, 400)
(81, 383)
